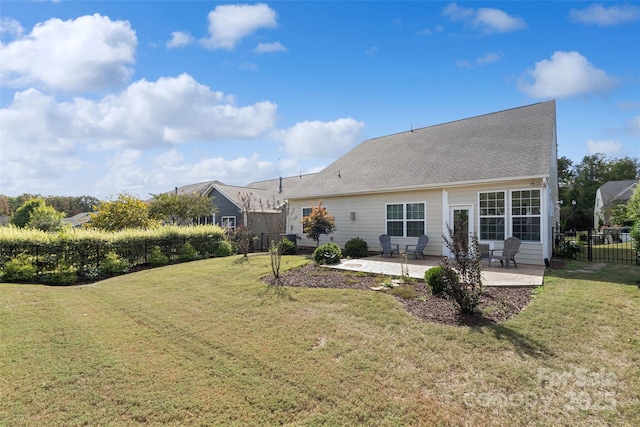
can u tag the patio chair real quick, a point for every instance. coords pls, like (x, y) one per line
(387, 246)
(419, 247)
(508, 252)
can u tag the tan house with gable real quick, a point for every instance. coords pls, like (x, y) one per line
(498, 171)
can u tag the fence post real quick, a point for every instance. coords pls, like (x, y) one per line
(589, 245)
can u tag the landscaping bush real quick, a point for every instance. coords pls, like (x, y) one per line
(19, 268)
(113, 264)
(356, 248)
(287, 247)
(434, 277)
(188, 253)
(223, 248)
(65, 277)
(568, 249)
(329, 253)
(157, 258)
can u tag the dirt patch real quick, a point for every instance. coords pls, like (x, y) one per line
(497, 305)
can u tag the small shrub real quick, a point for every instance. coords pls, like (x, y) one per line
(113, 264)
(434, 277)
(288, 247)
(405, 291)
(568, 249)
(329, 253)
(64, 277)
(356, 248)
(19, 268)
(188, 253)
(223, 248)
(157, 258)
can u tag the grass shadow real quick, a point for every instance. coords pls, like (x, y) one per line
(275, 287)
(522, 344)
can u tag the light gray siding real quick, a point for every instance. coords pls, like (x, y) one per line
(370, 216)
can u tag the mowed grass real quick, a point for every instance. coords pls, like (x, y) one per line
(209, 343)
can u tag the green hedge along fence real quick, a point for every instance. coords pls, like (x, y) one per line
(65, 257)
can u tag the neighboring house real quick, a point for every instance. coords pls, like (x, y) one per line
(77, 220)
(497, 172)
(608, 196)
(268, 202)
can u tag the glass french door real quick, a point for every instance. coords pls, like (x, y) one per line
(461, 221)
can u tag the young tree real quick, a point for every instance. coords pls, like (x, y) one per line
(46, 218)
(23, 214)
(633, 206)
(318, 222)
(463, 273)
(180, 209)
(125, 212)
(243, 234)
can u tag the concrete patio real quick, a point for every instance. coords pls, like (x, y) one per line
(524, 275)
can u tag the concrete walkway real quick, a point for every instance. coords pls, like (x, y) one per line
(524, 275)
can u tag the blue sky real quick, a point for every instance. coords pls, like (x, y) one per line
(99, 98)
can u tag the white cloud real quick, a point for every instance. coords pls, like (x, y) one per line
(41, 136)
(179, 39)
(270, 47)
(429, 31)
(603, 16)
(10, 26)
(170, 166)
(463, 64)
(487, 20)
(321, 139)
(633, 127)
(93, 49)
(565, 74)
(605, 147)
(489, 58)
(228, 24)
(372, 51)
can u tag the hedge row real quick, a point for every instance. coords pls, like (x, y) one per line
(83, 252)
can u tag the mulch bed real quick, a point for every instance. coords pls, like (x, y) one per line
(498, 303)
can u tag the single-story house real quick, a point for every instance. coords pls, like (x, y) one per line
(268, 202)
(608, 196)
(496, 172)
(77, 220)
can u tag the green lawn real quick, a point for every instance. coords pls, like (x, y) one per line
(208, 343)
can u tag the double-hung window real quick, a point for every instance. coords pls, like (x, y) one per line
(525, 213)
(492, 215)
(406, 219)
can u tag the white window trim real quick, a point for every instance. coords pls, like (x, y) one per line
(225, 218)
(404, 217)
(506, 216)
(539, 215)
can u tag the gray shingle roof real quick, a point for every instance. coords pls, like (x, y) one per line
(514, 143)
(620, 190)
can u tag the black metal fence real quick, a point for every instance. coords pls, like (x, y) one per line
(610, 245)
(86, 258)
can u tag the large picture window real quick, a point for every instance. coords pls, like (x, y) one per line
(492, 215)
(525, 212)
(406, 219)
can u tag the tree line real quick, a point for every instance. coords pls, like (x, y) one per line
(120, 213)
(579, 183)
